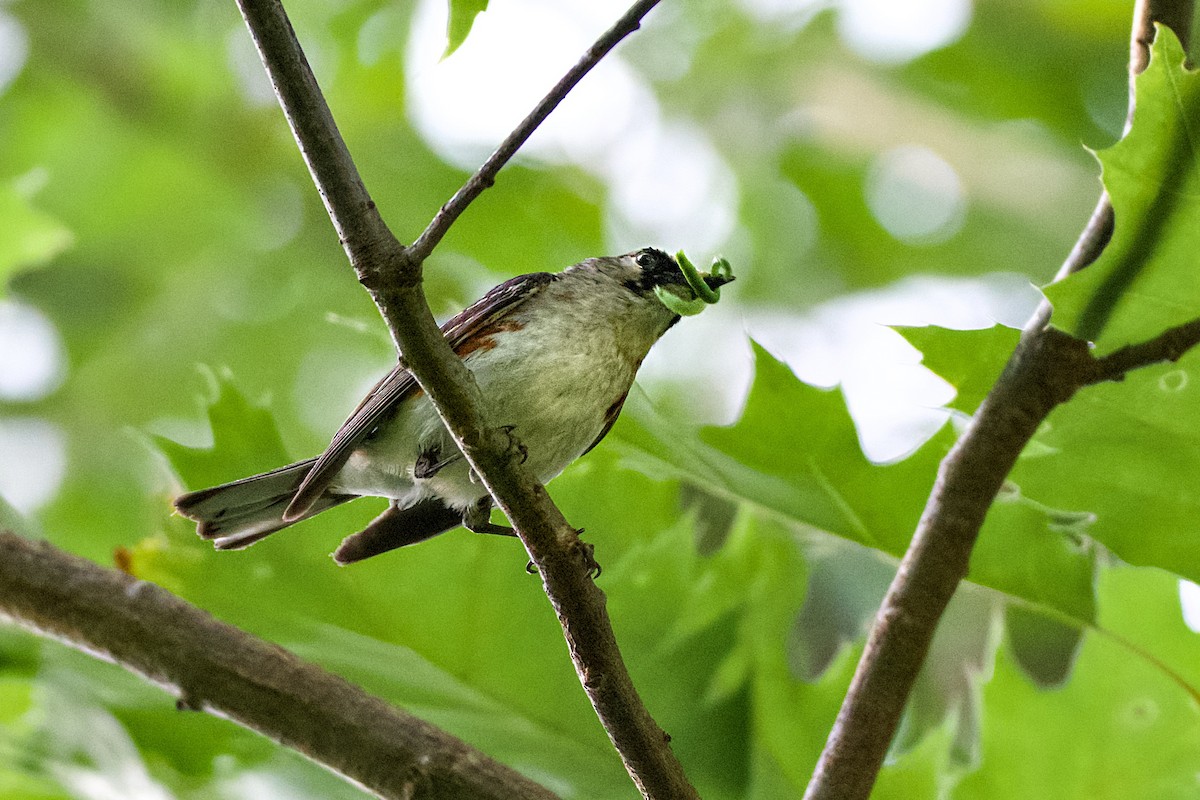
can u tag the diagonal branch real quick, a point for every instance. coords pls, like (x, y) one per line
(1046, 369)
(225, 671)
(485, 176)
(360, 228)
(391, 274)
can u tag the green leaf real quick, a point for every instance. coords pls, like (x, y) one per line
(795, 452)
(1121, 727)
(28, 236)
(970, 361)
(245, 441)
(462, 18)
(1145, 281)
(1141, 610)
(1126, 456)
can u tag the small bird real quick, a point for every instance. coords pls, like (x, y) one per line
(554, 355)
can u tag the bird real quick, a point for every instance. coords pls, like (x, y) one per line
(554, 355)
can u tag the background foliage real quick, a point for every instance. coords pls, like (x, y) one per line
(175, 311)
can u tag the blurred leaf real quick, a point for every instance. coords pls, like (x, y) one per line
(1145, 281)
(462, 18)
(28, 236)
(404, 677)
(1060, 62)
(924, 771)
(1044, 647)
(245, 441)
(970, 361)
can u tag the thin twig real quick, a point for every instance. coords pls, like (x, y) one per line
(1046, 369)
(220, 669)
(391, 274)
(1167, 346)
(629, 22)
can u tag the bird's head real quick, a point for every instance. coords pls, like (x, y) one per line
(649, 271)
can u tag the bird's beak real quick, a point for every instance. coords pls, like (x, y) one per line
(717, 281)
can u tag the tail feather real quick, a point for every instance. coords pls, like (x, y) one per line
(238, 514)
(398, 527)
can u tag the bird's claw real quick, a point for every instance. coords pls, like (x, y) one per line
(586, 553)
(514, 444)
(477, 519)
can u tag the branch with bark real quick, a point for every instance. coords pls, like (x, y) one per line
(1045, 370)
(391, 272)
(392, 275)
(214, 667)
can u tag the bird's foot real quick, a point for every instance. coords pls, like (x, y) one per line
(585, 551)
(430, 463)
(514, 445)
(478, 519)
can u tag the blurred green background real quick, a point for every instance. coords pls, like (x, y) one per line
(167, 274)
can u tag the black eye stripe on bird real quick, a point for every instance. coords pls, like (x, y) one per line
(555, 356)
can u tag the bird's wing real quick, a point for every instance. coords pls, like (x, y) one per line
(466, 332)
(610, 419)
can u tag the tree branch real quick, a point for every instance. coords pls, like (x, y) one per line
(391, 273)
(485, 176)
(215, 667)
(1176, 15)
(1046, 369)
(360, 228)
(1167, 346)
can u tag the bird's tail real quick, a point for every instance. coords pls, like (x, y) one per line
(236, 515)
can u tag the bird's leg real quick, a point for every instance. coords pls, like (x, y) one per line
(428, 463)
(477, 519)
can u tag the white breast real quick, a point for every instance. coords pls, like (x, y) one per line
(553, 380)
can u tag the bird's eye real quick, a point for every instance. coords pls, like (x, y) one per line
(645, 260)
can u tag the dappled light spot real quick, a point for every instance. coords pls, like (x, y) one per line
(31, 353)
(380, 35)
(891, 32)
(915, 195)
(464, 105)
(262, 290)
(1140, 712)
(667, 182)
(35, 459)
(329, 383)
(1174, 381)
(1189, 601)
(279, 206)
(244, 63)
(14, 49)
(880, 30)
